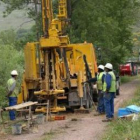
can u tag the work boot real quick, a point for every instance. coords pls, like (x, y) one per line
(98, 113)
(107, 120)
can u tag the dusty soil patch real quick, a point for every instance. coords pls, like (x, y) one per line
(86, 127)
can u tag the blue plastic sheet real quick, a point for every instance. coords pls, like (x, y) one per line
(123, 112)
(133, 109)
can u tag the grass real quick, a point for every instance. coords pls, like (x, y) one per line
(124, 129)
(49, 135)
(125, 79)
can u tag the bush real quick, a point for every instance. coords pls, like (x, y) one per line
(10, 59)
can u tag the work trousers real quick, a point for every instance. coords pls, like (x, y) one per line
(100, 108)
(12, 102)
(109, 104)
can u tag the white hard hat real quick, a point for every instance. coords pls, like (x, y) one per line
(101, 67)
(14, 72)
(109, 66)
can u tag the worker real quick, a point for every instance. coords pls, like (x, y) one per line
(12, 92)
(109, 88)
(100, 81)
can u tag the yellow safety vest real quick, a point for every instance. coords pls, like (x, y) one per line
(113, 83)
(10, 82)
(99, 81)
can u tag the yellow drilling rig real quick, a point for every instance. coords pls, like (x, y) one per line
(55, 69)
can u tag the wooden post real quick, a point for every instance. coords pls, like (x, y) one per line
(47, 110)
(1, 117)
(30, 117)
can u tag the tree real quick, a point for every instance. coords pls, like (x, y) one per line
(107, 24)
(18, 39)
(8, 37)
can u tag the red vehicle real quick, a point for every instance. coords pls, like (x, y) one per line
(128, 69)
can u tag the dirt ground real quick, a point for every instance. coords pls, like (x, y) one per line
(86, 127)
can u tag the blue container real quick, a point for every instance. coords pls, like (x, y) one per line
(123, 111)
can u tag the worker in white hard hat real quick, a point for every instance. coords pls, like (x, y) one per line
(109, 88)
(12, 92)
(100, 81)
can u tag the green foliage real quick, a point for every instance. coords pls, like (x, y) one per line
(23, 36)
(126, 79)
(11, 52)
(18, 39)
(7, 37)
(10, 59)
(107, 24)
(124, 129)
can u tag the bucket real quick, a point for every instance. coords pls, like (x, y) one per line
(16, 129)
(40, 119)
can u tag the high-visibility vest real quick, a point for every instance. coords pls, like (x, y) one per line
(99, 81)
(10, 82)
(113, 83)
